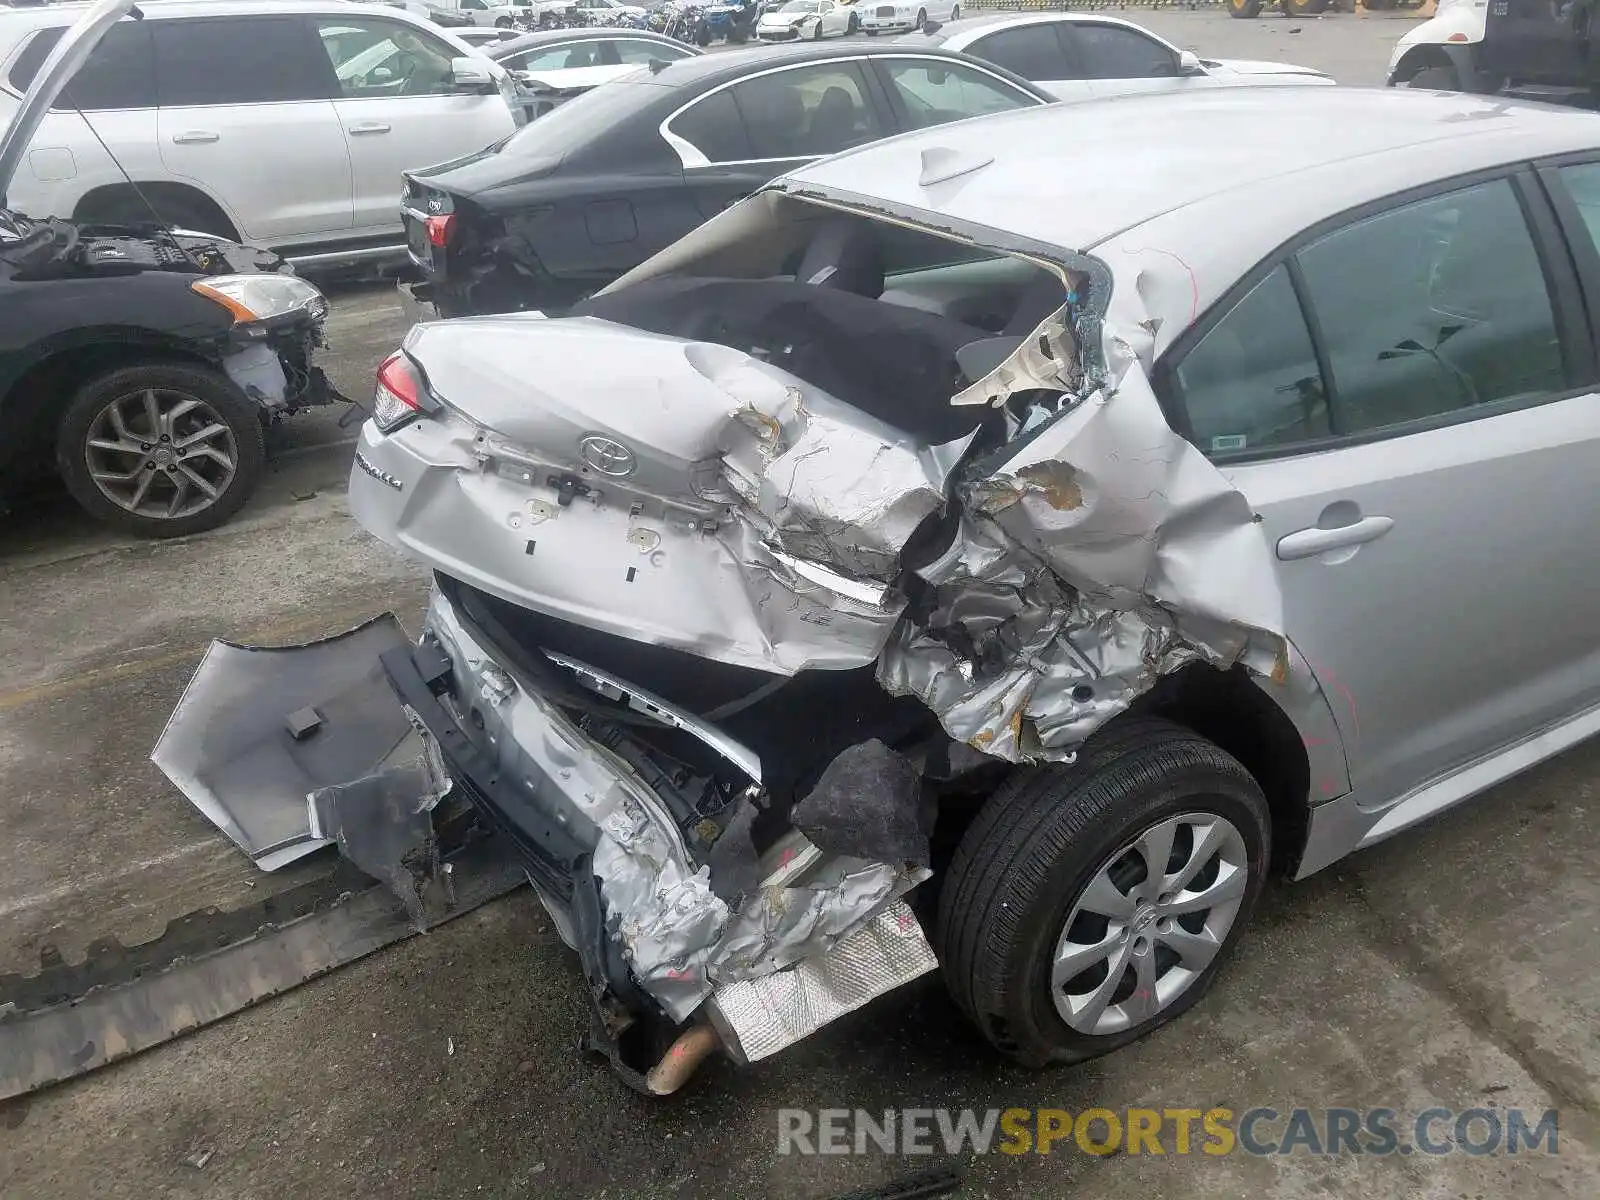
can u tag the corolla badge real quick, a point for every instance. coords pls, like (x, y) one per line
(607, 455)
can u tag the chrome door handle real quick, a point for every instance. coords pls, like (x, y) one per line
(194, 137)
(371, 127)
(1307, 543)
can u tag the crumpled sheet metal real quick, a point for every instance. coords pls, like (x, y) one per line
(760, 473)
(680, 938)
(1095, 553)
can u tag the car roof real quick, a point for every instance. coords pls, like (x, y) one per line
(556, 37)
(732, 64)
(67, 14)
(957, 34)
(1073, 176)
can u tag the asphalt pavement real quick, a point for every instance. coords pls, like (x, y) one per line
(1454, 967)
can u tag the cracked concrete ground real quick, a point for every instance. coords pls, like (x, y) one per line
(1455, 966)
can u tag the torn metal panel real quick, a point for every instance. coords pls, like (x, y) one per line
(758, 521)
(258, 729)
(679, 936)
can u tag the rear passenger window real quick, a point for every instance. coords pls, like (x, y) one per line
(935, 93)
(1583, 185)
(238, 60)
(644, 53)
(1434, 307)
(1252, 382)
(806, 111)
(120, 72)
(1032, 51)
(714, 127)
(1427, 310)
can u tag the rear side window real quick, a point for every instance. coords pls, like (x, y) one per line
(1437, 306)
(1032, 51)
(806, 111)
(934, 93)
(1111, 52)
(1434, 308)
(714, 127)
(1252, 382)
(120, 73)
(238, 60)
(637, 50)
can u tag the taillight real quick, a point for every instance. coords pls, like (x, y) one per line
(398, 396)
(440, 228)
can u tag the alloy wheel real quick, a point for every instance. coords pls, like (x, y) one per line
(159, 453)
(1149, 922)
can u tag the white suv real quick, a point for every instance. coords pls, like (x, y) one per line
(280, 122)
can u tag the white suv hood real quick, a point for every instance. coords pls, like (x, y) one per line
(57, 70)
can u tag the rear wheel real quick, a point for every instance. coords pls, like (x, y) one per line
(922, 17)
(1436, 79)
(161, 451)
(1089, 905)
(855, 25)
(503, 23)
(1244, 9)
(955, 12)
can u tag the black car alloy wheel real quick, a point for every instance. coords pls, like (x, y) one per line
(161, 451)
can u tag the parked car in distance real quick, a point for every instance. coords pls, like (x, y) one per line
(299, 145)
(481, 14)
(1075, 56)
(813, 19)
(1233, 523)
(589, 191)
(138, 363)
(552, 66)
(899, 15)
(609, 12)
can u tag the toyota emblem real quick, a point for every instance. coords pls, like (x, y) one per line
(606, 455)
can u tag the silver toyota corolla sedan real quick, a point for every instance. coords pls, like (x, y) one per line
(1031, 531)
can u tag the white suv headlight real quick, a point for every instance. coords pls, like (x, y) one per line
(252, 298)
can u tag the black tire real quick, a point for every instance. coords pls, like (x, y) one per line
(1303, 8)
(215, 391)
(1034, 847)
(1244, 10)
(1436, 79)
(503, 23)
(855, 25)
(702, 35)
(872, 33)
(922, 18)
(955, 12)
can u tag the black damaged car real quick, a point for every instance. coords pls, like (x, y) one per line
(141, 364)
(580, 196)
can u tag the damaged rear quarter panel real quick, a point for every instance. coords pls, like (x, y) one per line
(754, 519)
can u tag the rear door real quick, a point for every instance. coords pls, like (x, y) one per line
(1409, 404)
(1117, 59)
(399, 108)
(245, 112)
(1038, 51)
